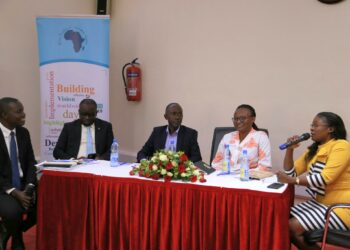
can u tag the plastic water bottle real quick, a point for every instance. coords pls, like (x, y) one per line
(244, 169)
(114, 153)
(227, 159)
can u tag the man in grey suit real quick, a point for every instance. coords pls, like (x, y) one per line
(87, 137)
(173, 136)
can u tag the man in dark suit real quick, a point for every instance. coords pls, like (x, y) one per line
(87, 137)
(17, 173)
(174, 137)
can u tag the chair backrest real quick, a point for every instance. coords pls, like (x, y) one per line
(219, 132)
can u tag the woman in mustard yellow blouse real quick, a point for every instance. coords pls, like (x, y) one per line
(325, 170)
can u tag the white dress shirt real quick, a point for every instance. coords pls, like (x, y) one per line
(7, 135)
(83, 140)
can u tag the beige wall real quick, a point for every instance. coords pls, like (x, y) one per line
(289, 59)
(19, 58)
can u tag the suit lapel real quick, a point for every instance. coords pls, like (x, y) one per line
(180, 139)
(163, 138)
(20, 143)
(3, 146)
(77, 131)
(98, 131)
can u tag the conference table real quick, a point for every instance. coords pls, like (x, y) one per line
(94, 206)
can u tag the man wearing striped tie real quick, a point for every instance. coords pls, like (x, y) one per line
(17, 174)
(86, 137)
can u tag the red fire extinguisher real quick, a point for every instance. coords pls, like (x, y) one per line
(132, 81)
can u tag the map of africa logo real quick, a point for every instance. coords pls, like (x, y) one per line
(76, 38)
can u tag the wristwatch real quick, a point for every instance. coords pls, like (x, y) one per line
(297, 180)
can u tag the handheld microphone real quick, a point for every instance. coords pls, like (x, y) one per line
(301, 138)
(29, 190)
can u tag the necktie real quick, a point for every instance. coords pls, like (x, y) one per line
(89, 144)
(16, 181)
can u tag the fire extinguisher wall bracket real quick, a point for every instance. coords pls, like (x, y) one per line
(134, 61)
(132, 80)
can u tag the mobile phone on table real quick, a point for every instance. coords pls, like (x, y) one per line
(275, 185)
(91, 156)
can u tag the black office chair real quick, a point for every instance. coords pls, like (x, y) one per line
(219, 132)
(330, 236)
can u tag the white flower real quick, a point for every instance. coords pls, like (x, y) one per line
(154, 167)
(163, 172)
(169, 174)
(154, 159)
(163, 157)
(138, 166)
(174, 163)
(196, 172)
(188, 169)
(183, 175)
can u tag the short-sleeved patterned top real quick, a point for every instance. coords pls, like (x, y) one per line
(257, 145)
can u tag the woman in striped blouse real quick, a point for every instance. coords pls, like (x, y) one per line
(325, 170)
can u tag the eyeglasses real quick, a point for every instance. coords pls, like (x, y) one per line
(318, 125)
(240, 119)
(83, 114)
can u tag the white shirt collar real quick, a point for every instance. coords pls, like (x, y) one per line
(92, 126)
(6, 132)
(176, 131)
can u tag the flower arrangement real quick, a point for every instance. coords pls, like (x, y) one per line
(169, 165)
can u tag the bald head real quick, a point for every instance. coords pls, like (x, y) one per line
(87, 112)
(173, 114)
(172, 105)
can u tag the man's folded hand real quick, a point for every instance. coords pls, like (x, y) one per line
(22, 197)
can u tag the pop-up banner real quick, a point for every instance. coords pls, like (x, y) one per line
(74, 65)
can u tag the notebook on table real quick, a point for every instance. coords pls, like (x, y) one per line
(57, 164)
(205, 167)
(259, 174)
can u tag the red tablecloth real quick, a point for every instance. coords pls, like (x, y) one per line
(84, 211)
